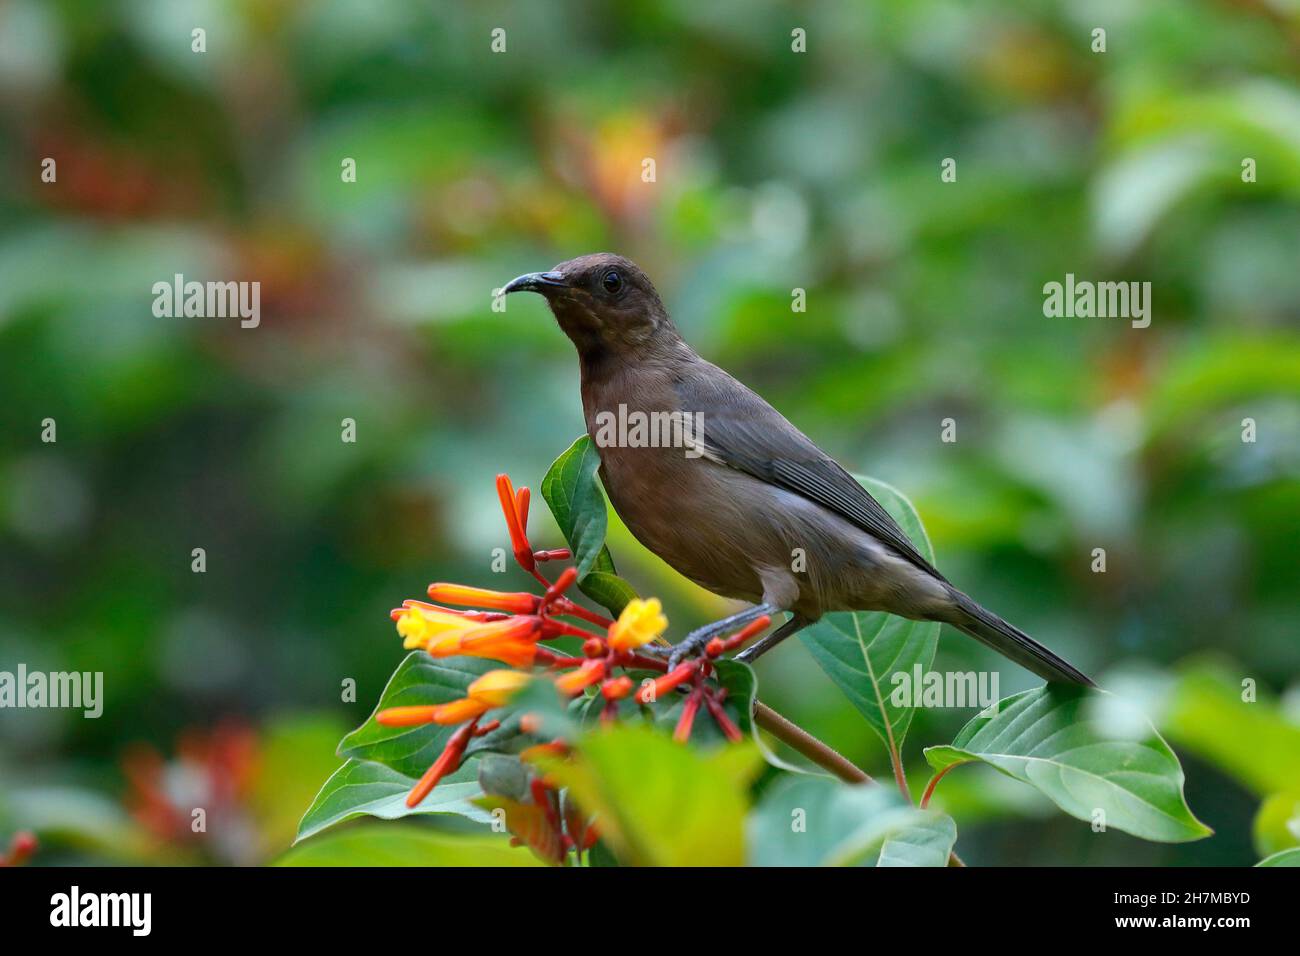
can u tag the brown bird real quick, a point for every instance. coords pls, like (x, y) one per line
(738, 497)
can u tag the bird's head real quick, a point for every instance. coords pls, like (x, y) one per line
(603, 302)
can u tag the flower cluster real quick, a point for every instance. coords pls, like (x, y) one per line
(510, 626)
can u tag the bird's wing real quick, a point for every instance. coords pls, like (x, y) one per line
(744, 432)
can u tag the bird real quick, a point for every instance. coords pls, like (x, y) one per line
(746, 491)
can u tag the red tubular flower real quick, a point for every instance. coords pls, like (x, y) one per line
(616, 688)
(493, 689)
(518, 537)
(446, 763)
(687, 719)
(562, 584)
(589, 673)
(406, 716)
(563, 605)
(454, 712)
(721, 718)
(522, 628)
(720, 645)
(668, 682)
(521, 507)
(554, 554)
(515, 602)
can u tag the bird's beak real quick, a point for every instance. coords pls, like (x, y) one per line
(542, 282)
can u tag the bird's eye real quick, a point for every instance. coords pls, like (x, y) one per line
(612, 282)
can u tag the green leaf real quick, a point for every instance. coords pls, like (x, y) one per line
(861, 650)
(1057, 740)
(659, 803)
(576, 502)
(818, 821)
(606, 588)
(362, 788)
(422, 680)
(1285, 858)
(1277, 824)
(405, 845)
(928, 842)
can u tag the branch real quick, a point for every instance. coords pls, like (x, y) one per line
(808, 745)
(816, 751)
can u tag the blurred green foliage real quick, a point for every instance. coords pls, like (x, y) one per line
(775, 170)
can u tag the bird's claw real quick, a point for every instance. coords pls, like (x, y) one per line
(692, 644)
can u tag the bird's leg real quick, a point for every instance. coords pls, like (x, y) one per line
(694, 642)
(760, 647)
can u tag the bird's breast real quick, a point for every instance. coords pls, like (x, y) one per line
(683, 510)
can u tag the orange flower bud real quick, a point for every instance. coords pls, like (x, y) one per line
(514, 653)
(668, 682)
(447, 762)
(553, 554)
(495, 688)
(518, 538)
(513, 629)
(562, 584)
(687, 720)
(521, 506)
(517, 602)
(406, 716)
(719, 646)
(617, 688)
(587, 674)
(723, 720)
(458, 711)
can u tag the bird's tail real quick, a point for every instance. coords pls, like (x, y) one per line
(1011, 642)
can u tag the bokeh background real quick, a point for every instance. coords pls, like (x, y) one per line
(775, 170)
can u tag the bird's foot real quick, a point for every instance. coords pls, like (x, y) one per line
(692, 645)
(697, 642)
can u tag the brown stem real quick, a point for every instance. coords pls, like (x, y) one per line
(808, 745)
(823, 756)
(896, 760)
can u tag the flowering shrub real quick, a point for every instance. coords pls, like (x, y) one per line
(511, 633)
(528, 711)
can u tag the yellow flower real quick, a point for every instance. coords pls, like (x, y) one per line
(640, 623)
(495, 688)
(418, 626)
